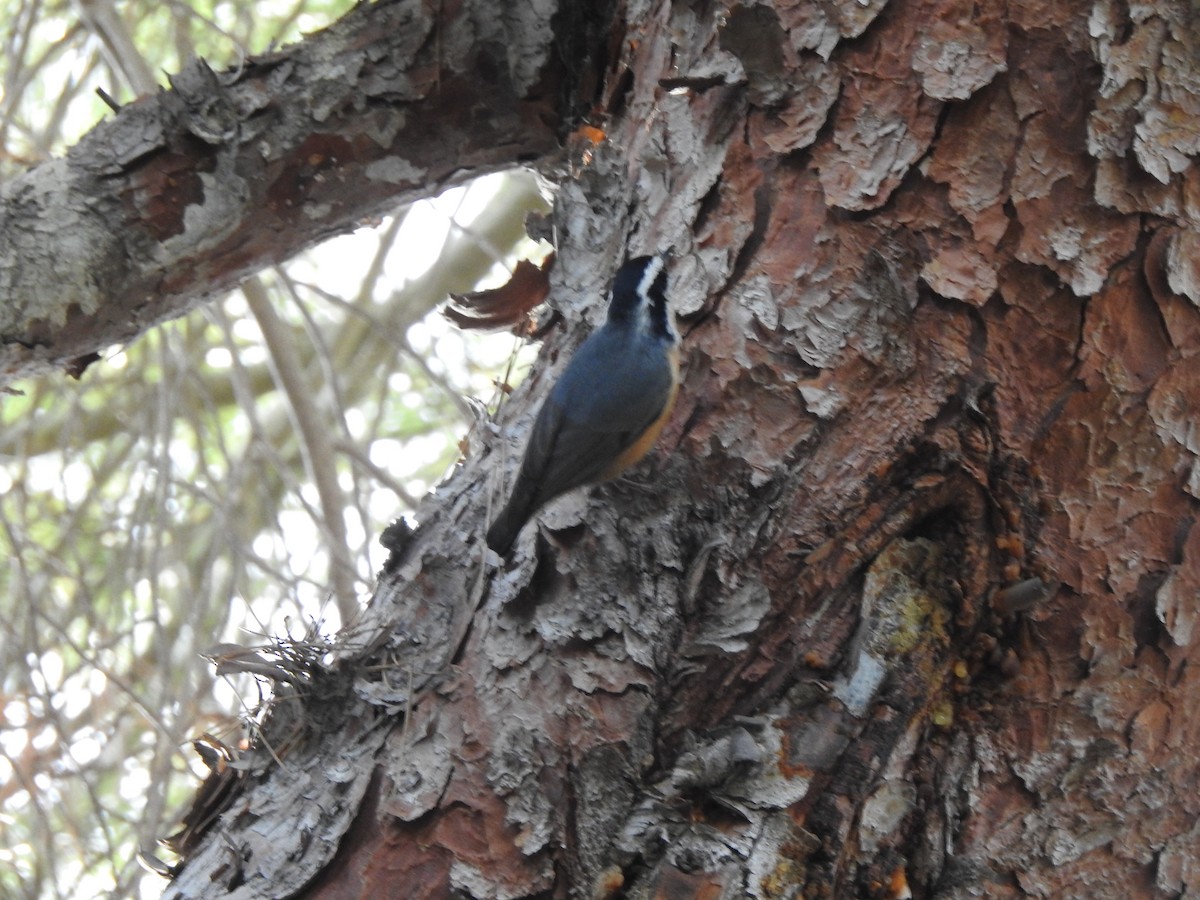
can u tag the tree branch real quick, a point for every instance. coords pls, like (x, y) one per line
(185, 193)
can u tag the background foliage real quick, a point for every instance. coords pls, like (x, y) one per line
(222, 479)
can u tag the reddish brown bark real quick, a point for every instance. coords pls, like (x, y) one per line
(906, 601)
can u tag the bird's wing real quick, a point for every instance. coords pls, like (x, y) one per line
(570, 453)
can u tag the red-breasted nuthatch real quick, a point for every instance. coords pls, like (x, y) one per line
(608, 408)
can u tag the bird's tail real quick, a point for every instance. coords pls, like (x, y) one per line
(504, 530)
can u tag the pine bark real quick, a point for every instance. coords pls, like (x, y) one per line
(905, 601)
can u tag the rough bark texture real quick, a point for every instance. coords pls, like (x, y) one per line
(184, 193)
(937, 266)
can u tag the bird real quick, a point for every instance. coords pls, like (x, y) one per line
(608, 407)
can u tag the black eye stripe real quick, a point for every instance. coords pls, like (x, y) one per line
(633, 299)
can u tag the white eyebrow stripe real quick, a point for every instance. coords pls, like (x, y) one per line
(652, 270)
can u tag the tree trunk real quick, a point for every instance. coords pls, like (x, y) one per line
(905, 601)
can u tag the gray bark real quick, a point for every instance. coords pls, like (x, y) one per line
(184, 193)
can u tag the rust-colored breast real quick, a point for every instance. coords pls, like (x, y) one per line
(639, 448)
